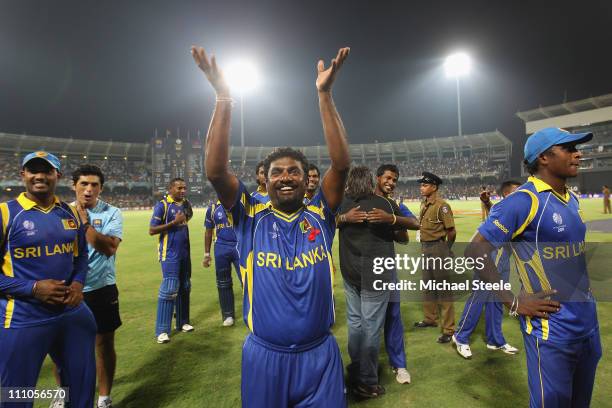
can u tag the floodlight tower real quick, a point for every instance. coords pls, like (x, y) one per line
(243, 76)
(456, 66)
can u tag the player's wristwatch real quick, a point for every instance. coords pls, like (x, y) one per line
(86, 225)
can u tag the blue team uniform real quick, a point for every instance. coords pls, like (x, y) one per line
(39, 244)
(176, 267)
(226, 255)
(494, 309)
(548, 245)
(290, 357)
(394, 326)
(261, 196)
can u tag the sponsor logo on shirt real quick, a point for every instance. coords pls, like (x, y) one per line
(500, 226)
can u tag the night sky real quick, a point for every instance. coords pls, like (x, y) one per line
(119, 69)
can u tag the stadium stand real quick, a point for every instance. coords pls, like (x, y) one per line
(591, 114)
(138, 172)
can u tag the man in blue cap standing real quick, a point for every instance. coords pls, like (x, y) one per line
(43, 256)
(556, 307)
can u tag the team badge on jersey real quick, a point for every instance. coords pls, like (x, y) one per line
(305, 226)
(97, 222)
(69, 224)
(559, 221)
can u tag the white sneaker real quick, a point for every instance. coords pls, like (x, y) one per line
(463, 350)
(402, 375)
(163, 338)
(229, 321)
(106, 404)
(506, 348)
(187, 328)
(57, 403)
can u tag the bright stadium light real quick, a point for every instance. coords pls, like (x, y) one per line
(456, 66)
(242, 76)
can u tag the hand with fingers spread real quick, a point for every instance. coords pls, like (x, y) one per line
(378, 216)
(50, 291)
(354, 215)
(537, 304)
(326, 76)
(211, 70)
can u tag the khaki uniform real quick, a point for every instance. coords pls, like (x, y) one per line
(436, 216)
(606, 200)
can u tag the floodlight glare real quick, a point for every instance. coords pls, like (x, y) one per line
(242, 76)
(457, 65)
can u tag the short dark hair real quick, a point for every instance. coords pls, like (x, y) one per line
(87, 170)
(507, 184)
(533, 167)
(312, 166)
(282, 152)
(359, 182)
(260, 164)
(174, 180)
(387, 167)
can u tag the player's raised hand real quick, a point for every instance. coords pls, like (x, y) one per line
(538, 304)
(211, 70)
(326, 76)
(50, 291)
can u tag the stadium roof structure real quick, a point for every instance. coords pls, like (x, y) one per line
(492, 142)
(20, 144)
(566, 108)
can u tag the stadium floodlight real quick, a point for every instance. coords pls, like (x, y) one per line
(457, 65)
(242, 76)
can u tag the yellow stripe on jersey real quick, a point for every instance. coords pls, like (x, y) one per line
(251, 210)
(540, 372)
(285, 217)
(164, 244)
(316, 210)
(4, 210)
(532, 212)
(247, 279)
(7, 270)
(331, 277)
(500, 252)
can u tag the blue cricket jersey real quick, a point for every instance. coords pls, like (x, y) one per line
(173, 243)
(405, 211)
(217, 218)
(548, 245)
(261, 195)
(286, 267)
(107, 220)
(37, 244)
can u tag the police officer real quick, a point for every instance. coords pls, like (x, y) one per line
(437, 235)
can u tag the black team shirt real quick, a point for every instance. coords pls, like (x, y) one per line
(361, 243)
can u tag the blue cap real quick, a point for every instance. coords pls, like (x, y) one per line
(545, 138)
(48, 157)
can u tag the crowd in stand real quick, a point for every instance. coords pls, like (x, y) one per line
(117, 170)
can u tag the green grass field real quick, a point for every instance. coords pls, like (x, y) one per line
(202, 368)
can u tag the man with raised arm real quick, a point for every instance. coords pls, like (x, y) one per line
(290, 357)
